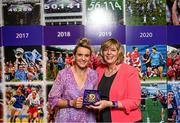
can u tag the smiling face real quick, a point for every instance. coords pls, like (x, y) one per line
(110, 54)
(82, 57)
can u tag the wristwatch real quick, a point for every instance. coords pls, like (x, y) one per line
(114, 104)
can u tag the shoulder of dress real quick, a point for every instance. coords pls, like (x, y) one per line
(64, 71)
(63, 74)
(92, 72)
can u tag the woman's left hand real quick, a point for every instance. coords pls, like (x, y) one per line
(101, 105)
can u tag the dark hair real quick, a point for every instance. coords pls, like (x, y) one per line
(154, 48)
(134, 48)
(170, 92)
(20, 65)
(118, 46)
(83, 42)
(178, 6)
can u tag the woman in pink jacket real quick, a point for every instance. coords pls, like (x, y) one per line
(119, 86)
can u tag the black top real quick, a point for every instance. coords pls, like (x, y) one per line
(146, 56)
(104, 89)
(171, 109)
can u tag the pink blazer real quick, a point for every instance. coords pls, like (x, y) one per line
(125, 88)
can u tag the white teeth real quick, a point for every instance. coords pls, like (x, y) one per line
(82, 62)
(110, 57)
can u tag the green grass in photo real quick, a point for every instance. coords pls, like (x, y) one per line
(152, 112)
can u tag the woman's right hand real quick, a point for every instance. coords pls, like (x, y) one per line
(77, 103)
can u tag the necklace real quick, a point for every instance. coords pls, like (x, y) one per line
(110, 72)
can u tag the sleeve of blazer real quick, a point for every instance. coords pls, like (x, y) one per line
(133, 91)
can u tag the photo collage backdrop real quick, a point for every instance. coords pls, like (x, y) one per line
(38, 38)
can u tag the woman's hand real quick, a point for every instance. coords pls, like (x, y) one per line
(102, 105)
(77, 103)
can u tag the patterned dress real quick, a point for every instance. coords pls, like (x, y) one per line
(65, 87)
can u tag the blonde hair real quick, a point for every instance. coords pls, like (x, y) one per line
(118, 46)
(84, 42)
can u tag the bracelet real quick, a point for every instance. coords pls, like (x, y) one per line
(68, 104)
(114, 104)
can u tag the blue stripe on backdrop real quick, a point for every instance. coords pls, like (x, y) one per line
(22, 35)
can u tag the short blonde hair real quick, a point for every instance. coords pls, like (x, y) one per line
(118, 46)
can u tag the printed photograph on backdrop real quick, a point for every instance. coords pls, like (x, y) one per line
(0, 65)
(60, 57)
(23, 64)
(24, 103)
(63, 12)
(1, 13)
(173, 97)
(21, 12)
(154, 102)
(104, 12)
(173, 12)
(150, 61)
(173, 63)
(145, 12)
(57, 58)
(51, 112)
(1, 104)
